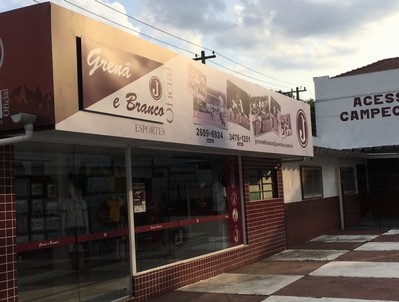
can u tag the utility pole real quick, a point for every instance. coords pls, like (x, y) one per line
(203, 57)
(297, 91)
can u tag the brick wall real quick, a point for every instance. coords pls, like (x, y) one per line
(8, 272)
(266, 235)
(311, 218)
(265, 218)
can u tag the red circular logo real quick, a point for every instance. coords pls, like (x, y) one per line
(302, 128)
(155, 88)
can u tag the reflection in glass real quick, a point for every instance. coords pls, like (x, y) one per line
(72, 230)
(181, 207)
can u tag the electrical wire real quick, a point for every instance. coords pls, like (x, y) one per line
(128, 28)
(253, 70)
(153, 27)
(197, 45)
(245, 75)
(178, 47)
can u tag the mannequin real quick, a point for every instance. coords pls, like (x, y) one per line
(75, 218)
(75, 222)
(219, 198)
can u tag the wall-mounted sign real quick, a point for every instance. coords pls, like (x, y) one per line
(182, 101)
(139, 199)
(358, 111)
(83, 76)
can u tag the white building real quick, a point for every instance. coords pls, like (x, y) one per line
(353, 179)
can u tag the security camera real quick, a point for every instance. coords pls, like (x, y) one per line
(24, 118)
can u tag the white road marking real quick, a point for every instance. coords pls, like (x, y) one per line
(358, 269)
(308, 255)
(345, 238)
(310, 299)
(379, 246)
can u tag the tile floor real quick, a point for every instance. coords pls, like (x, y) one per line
(347, 266)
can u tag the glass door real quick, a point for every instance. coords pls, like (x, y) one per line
(72, 228)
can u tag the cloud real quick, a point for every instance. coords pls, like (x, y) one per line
(190, 15)
(251, 23)
(304, 39)
(202, 19)
(112, 13)
(283, 38)
(303, 18)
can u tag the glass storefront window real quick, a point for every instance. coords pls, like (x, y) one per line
(262, 184)
(72, 227)
(72, 216)
(185, 205)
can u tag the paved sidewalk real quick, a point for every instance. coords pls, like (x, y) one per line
(347, 266)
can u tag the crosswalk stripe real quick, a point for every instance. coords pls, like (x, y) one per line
(358, 269)
(310, 299)
(379, 246)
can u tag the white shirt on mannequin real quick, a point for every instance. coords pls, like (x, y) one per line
(219, 197)
(74, 212)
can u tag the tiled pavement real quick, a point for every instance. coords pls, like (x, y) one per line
(348, 266)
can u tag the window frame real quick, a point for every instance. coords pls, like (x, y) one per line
(343, 177)
(262, 186)
(314, 194)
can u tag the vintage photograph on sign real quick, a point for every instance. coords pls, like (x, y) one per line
(238, 105)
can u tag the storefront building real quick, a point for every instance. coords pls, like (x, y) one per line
(146, 171)
(322, 193)
(352, 179)
(362, 106)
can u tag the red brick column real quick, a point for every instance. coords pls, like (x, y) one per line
(8, 255)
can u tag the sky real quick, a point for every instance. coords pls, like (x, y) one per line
(278, 44)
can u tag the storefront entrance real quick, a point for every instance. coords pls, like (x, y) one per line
(380, 194)
(185, 205)
(72, 227)
(74, 210)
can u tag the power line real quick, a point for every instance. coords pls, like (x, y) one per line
(181, 48)
(131, 29)
(247, 76)
(253, 70)
(153, 27)
(192, 43)
(177, 47)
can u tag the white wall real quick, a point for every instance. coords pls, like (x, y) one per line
(329, 166)
(358, 111)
